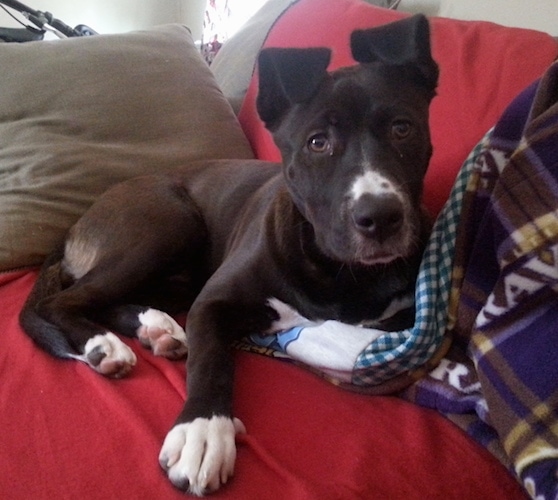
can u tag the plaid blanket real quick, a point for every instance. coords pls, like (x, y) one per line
(500, 381)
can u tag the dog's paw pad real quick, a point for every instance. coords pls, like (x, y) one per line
(108, 355)
(199, 456)
(162, 334)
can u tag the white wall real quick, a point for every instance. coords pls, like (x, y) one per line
(117, 16)
(428, 7)
(540, 15)
(114, 16)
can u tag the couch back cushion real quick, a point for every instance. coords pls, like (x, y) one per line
(482, 67)
(79, 115)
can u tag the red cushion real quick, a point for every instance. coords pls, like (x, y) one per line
(67, 432)
(483, 66)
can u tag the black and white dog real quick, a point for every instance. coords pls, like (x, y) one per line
(336, 232)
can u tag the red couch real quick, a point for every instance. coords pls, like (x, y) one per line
(68, 432)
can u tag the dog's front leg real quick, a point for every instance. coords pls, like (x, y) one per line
(199, 452)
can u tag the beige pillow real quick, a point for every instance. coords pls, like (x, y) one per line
(79, 115)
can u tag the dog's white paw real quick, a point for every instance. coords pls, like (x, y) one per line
(162, 334)
(288, 317)
(108, 355)
(200, 455)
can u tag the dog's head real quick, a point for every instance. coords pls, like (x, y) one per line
(355, 143)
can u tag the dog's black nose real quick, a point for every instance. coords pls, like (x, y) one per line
(377, 217)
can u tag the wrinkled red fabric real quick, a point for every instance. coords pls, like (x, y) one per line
(68, 433)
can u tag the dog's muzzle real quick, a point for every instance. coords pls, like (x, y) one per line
(377, 217)
(380, 226)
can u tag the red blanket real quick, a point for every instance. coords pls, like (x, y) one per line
(69, 433)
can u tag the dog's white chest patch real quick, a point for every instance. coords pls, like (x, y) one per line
(288, 317)
(397, 305)
(371, 183)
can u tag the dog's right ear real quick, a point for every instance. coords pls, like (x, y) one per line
(286, 77)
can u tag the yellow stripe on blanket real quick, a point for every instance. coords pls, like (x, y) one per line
(536, 451)
(483, 343)
(532, 236)
(543, 413)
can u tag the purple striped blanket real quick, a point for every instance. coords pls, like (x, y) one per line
(500, 379)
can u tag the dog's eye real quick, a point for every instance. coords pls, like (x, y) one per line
(400, 129)
(319, 143)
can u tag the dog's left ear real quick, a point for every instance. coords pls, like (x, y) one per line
(286, 77)
(404, 42)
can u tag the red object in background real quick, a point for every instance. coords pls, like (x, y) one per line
(483, 66)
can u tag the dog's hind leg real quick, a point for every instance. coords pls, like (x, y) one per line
(90, 312)
(123, 249)
(71, 314)
(60, 324)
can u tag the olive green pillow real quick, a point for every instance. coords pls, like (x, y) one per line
(79, 115)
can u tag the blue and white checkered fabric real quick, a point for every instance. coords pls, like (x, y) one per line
(397, 352)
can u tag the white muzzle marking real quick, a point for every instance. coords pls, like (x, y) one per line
(372, 183)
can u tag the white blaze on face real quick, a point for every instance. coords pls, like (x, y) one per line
(368, 250)
(372, 183)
